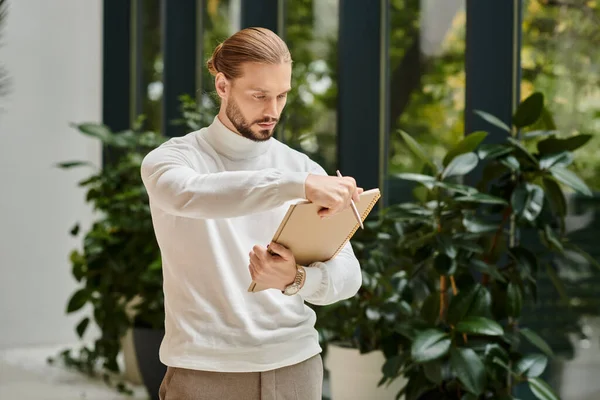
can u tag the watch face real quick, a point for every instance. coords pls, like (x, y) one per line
(292, 289)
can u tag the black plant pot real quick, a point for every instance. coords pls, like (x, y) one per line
(431, 395)
(436, 394)
(147, 343)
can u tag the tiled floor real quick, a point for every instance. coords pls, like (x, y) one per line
(25, 375)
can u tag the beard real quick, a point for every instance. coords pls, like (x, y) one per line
(234, 114)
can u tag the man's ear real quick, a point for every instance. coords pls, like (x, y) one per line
(222, 85)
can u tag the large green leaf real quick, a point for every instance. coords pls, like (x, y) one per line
(564, 159)
(510, 162)
(532, 365)
(406, 329)
(417, 150)
(391, 366)
(474, 301)
(475, 225)
(541, 389)
(555, 196)
(529, 111)
(427, 180)
(493, 120)
(538, 133)
(481, 198)
(72, 164)
(97, 131)
(430, 345)
(78, 300)
(433, 371)
(467, 145)
(491, 151)
(553, 242)
(82, 326)
(461, 165)
(469, 369)
(514, 300)
(570, 179)
(536, 340)
(527, 201)
(479, 326)
(556, 145)
(495, 351)
(547, 120)
(468, 245)
(419, 213)
(486, 268)
(456, 188)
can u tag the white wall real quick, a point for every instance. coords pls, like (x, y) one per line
(53, 52)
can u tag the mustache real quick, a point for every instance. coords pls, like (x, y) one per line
(266, 121)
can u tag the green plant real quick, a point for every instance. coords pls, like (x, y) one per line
(366, 321)
(477, 253)
(118, 267)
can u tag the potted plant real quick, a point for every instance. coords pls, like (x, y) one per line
(358, 333)
(118, 267)
(476, 255)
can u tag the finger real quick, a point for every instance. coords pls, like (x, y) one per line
(355, 196)
(351, 181)
(280, 250)
(325, 212)
(252, 271)
(254, 260)
(261, 252)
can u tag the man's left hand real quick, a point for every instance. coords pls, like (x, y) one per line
(276, 270)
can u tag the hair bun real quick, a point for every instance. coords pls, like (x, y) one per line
(213, 60)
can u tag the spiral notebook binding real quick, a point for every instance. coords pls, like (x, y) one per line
(353, 231)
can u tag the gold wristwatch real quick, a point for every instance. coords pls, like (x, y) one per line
(295, 286)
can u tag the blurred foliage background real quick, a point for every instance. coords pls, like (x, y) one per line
(426, 58)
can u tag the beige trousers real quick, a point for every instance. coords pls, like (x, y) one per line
(303, 381)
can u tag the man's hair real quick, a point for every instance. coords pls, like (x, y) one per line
(257, 45)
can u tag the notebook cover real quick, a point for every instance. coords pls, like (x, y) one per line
(313, 239)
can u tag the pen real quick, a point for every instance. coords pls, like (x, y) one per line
(354, 209)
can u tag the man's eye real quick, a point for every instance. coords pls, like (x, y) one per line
(282, 96)
(259, 97)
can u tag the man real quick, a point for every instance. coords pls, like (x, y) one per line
(217, 196)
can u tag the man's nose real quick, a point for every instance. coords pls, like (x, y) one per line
(271, 108)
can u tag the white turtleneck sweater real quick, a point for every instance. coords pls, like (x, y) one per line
(213, 196)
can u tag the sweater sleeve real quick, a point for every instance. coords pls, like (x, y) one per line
(177, 188)
(337, 279)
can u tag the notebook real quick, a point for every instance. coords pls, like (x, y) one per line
(313, 239)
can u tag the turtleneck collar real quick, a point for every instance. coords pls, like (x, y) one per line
(231, 144)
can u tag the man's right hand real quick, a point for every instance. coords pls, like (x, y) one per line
(332, 193)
